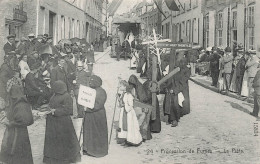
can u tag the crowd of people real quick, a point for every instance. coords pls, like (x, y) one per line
(233, 71)
(36, 73)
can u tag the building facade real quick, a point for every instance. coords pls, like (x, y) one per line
(151, 20)
(211, 23)
(185, 25)
(230, 22)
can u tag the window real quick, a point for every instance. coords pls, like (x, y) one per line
(62, 27)
(251, 38)
(251, 13)
(168, 30)
(207, 30)
(195, 4)
(188, 32)
(220, 20)
(220, 36)
(234, 19)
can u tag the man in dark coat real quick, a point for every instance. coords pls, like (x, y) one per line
(61, 144)
(9, 47)
(35, 94)
(95, 133)
(214, 67)
(60, 73)
(10, 52)
(30, 44)
(256, 86)
(16, 147)
(240, 70)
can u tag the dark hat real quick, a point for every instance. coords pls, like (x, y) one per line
(35, 66)
(45, 35)
(227, 49)
(59, 87)
(10, 36)
(95, 81)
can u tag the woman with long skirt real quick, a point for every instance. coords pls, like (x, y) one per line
(95, 133)
(16, 146)
(61, 144)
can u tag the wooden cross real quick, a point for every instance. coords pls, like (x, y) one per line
(155, 85)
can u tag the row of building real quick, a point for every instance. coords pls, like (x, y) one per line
(205, 22)
(61, 19)
(214, 23)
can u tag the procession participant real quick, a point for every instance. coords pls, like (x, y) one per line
(122, 121)
(88, 52)
(176, 86)
(240, 70)
(140, 94)
(133, 136)
(59, 72)
(61, 143)
(233, 85)
(24, 67)
(16, 147)
(251, 68)
(227, 59)
(95, 132)
(155, 125)
(256, 86)
(184, 81)
(82, 78)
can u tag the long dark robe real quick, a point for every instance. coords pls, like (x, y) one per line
(141, 95)
(61, 144)
(185, 75)
(155, 125)
(6, 73)
(95, 132)
(16, 146)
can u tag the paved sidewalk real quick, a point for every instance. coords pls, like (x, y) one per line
(206, 81)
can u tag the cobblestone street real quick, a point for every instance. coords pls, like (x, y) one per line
(218, 129)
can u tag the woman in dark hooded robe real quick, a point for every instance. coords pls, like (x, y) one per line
(141, 95)
(95, 133)
(16, 146)
(61, 144)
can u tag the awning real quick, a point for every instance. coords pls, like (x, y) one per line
(123, 20)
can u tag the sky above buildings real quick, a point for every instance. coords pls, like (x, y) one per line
(126, 5)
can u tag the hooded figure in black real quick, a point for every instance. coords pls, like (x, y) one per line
(140, 94)
(95, 132)
(61, 144)
(16, 146)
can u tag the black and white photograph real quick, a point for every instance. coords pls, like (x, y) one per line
(129, 82)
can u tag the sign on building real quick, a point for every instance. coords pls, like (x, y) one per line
(86, 96)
